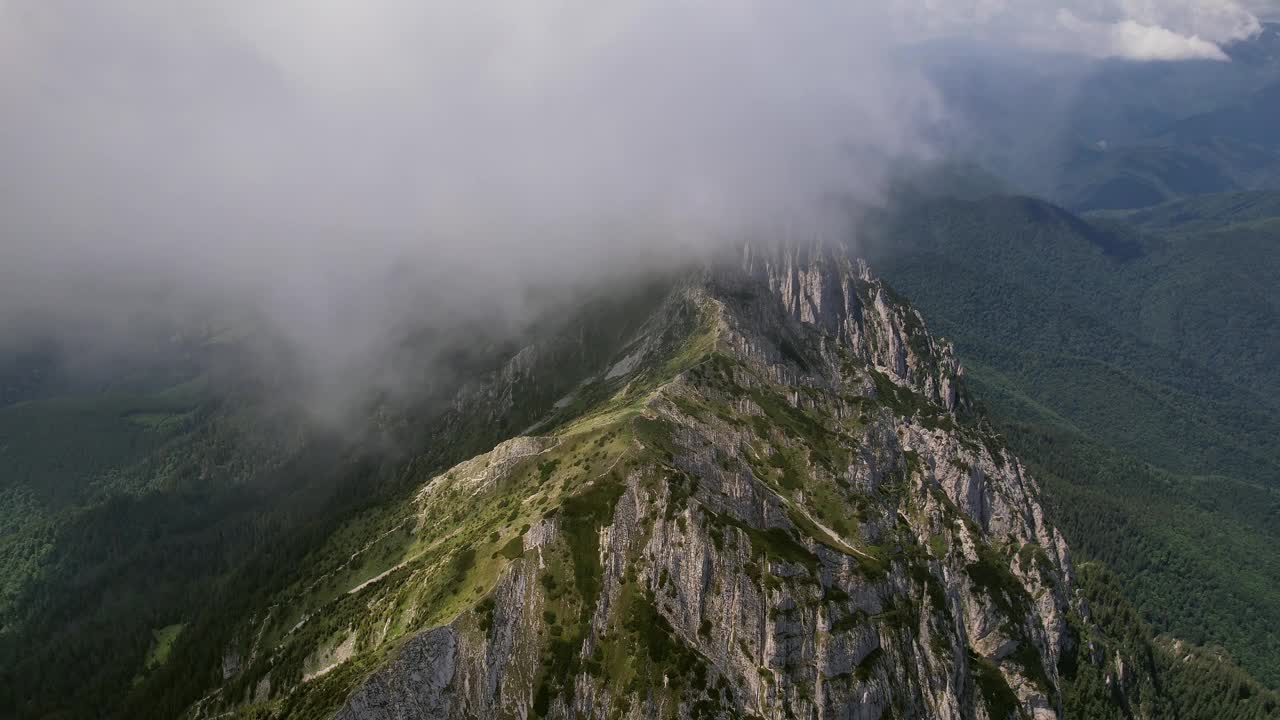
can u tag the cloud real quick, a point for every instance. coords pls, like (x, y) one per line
(1215, 21)
(343, 171)
(1144, 42)
(1134, 41)
(1132, 29)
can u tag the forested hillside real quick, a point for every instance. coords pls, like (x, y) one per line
(1163, 677)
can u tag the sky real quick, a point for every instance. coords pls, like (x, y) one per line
(336, 169)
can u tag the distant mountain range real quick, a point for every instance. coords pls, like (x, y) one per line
(1117, 134)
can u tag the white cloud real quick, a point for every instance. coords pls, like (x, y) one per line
(290, 155)
(1134, 29)
(1211, 21)
(286, 154)
(1134, 41)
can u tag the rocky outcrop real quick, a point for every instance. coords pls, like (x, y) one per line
(853, 312)
(417, 684)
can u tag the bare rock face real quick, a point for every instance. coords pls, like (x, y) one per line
(855, 314)
(770, 503)
(417, 684)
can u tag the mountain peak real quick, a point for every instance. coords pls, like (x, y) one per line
(762, 504)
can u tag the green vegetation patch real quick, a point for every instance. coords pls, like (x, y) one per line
(775, 542)
(991, 574)
(867, 664)
(1028, 658)
(826, 447)
(1000, 700)
(513, 549)
(162, 644)
(582, 517)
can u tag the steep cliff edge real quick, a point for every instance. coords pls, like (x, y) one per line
(769, 503)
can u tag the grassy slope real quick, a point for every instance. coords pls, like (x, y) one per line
(126, 512)
(409, 562)
(1137, 373)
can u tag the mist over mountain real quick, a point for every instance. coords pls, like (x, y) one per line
(651, 359)
(337, 173)
(324, 175)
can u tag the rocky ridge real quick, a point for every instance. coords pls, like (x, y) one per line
(771, 501)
